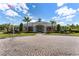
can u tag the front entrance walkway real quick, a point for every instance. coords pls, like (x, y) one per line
(40, 44)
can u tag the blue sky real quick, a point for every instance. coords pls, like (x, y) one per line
(63, 13)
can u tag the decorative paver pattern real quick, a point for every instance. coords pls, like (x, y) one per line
(40, 45)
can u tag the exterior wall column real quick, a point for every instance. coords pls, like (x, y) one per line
(34, 29)
(45, 29)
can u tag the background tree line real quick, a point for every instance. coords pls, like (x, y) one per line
(55, 27)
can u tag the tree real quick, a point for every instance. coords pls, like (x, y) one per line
(53, 23)
(27, 19)
(1, 27)
(58, 28)
(21, 27)
(6, 27)
(72, 26)
(77, 26)
(70, 30)
(39, 20)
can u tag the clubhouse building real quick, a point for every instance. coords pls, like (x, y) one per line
(38, 26)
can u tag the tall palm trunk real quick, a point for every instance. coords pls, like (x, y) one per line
(52, 27)
(27, 26)
(27, 19)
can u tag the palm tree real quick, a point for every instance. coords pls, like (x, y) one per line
(27, 19)
(39, 20)
(53, 23)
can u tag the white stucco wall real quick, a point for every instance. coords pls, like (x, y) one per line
(34, 24)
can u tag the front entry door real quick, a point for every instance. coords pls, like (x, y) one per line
(39, 28)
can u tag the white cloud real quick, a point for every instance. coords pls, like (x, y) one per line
(78, 9)
(25, 11)
(66, 14)
(10, 19)
(23, 7)
(65, 11)
(34, 6)
(20, 7)
(33, 20)
(76, 23)
(69, 20)
(43, 19)
(3, 7)
(17, 5)
(70, 16)
(31, 17)
(65, 18)
(61, 23)
(11, 13)
(29, 14)
(60, 4)
(6, 9)
(56, 18)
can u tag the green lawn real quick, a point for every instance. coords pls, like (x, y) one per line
(74, 34)
(31, 34)
(70, 34)
(11, 35)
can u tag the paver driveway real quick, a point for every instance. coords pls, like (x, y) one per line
(40, 45)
